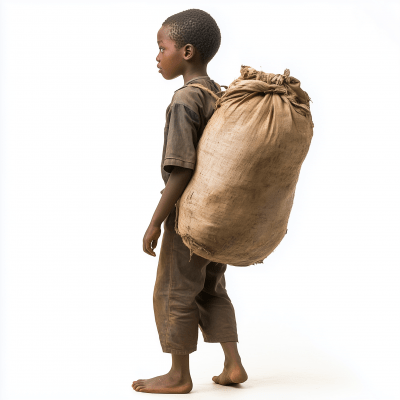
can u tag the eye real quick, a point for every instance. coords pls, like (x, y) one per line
(161, 49)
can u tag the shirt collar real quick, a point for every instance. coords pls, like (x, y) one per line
(194, 79)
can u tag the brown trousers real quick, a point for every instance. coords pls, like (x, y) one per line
(188, 294)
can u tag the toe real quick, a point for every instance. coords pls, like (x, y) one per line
(215, 379)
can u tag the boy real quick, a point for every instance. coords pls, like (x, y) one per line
(187, 294)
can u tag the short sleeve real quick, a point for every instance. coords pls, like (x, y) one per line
(182, 138)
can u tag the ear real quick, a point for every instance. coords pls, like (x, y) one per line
(189, 52)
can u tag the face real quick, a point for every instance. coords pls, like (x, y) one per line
(170, 61)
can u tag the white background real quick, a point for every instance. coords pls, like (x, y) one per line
(82, 117)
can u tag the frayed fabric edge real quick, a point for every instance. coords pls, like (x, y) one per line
(188, 238)
(192, 242)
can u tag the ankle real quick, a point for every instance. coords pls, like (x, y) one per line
(232, 361)
(180, 367)
(179, 373)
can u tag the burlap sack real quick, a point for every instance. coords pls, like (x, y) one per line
(236, 207)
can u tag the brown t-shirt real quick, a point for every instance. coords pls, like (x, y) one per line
(186, 118)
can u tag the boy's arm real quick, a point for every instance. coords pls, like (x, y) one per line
(174, 188)
(176, 184)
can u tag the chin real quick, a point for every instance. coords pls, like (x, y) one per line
(163, 74)
(167, 76)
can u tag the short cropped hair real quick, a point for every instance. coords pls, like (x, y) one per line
(195, 27)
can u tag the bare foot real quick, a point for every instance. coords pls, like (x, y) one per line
(232, 373)
(168, 383)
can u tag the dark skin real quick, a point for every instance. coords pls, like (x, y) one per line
(174, 188)
(173, 63)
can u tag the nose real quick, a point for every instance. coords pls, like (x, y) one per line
(157, 59)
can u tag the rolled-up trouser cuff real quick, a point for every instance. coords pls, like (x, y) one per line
(167, 349)
(216, 339)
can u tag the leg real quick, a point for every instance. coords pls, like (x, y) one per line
(177, 284)
(217, 315)
(218, 323)
(233, 369)
(177, 380)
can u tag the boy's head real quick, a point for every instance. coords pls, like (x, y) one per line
(189, 36)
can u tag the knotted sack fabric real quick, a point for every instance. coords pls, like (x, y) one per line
(236, 207)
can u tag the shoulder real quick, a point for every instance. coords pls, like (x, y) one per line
(187, 96)
(192, 97)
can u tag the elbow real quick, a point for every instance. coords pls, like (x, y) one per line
(181, 174)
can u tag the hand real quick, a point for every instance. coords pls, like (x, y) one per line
(150, 239)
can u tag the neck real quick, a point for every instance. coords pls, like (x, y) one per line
(194, 73)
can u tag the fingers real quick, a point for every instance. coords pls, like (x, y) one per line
(150, 240)
(150, 248)
(147, 248)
